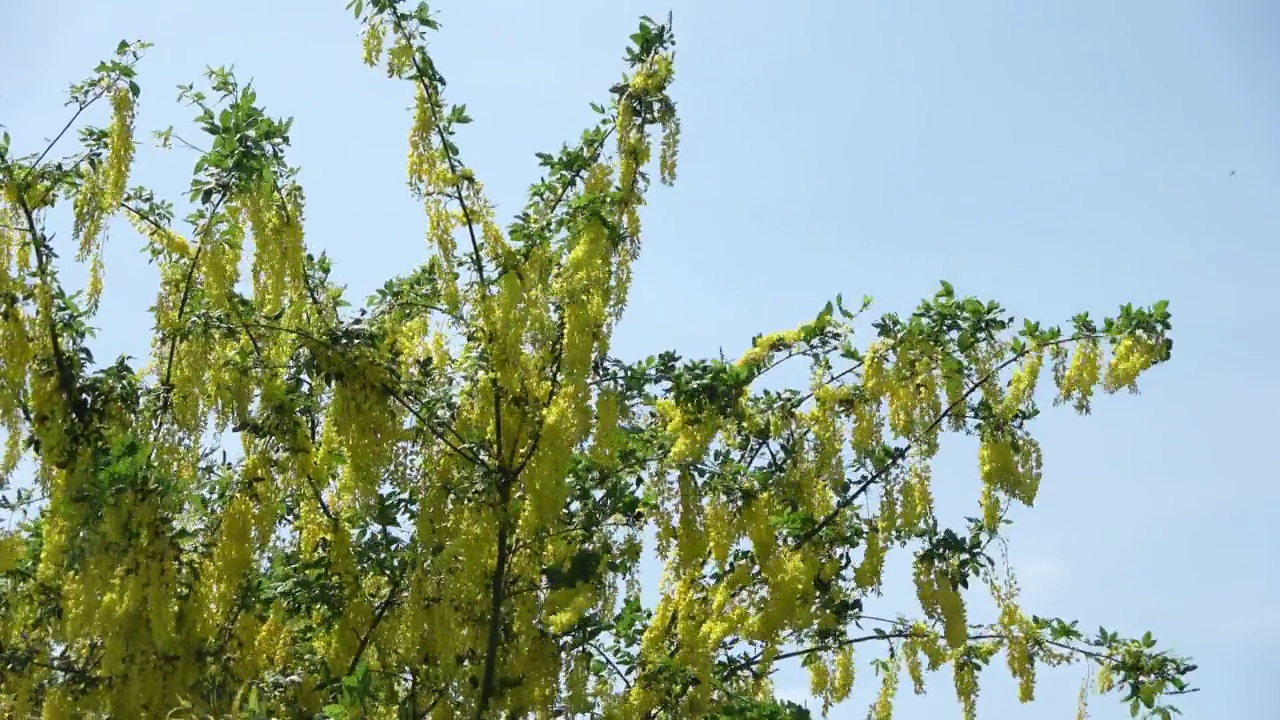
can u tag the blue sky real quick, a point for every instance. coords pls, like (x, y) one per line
(1056, 156)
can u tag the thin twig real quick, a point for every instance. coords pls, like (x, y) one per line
(383, 608)
(866, 484)
(66, 378)
(609, 661)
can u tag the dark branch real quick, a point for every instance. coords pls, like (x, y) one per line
(383, 608)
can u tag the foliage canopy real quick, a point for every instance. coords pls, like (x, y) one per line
(435, 505)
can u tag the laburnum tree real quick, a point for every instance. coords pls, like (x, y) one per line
(435, 505)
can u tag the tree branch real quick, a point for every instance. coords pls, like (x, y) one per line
(67, 380)
(848, 500)
(433, 101)
(505, 478)
(497, 589)
(166, 384)
(535, 439)
(383, 608)
(609, 661)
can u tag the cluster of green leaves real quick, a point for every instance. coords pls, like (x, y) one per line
(247, 145)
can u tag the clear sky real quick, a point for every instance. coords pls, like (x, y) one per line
(1056, 156)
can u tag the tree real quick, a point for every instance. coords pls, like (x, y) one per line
(434, 505)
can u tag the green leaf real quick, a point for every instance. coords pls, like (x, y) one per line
(825, 315)
(458, 115)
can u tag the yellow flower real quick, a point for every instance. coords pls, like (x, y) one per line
(1081, 375)
(1130, 358)
(374, 36)
(11, 552)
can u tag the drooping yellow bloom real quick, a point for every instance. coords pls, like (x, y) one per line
(1081, 377)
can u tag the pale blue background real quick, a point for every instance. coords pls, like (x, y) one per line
(1057, 156)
